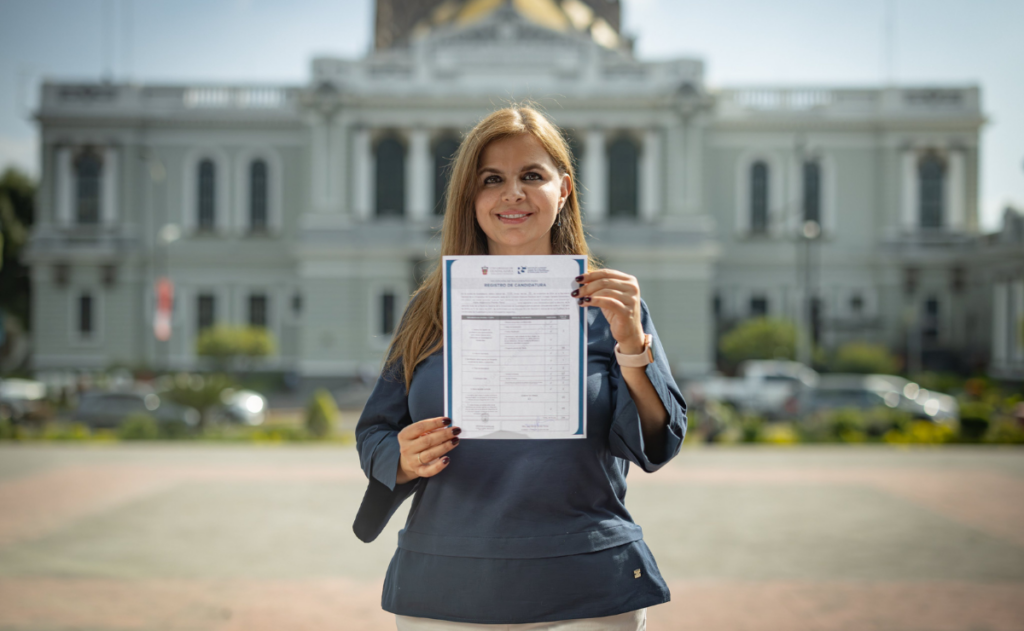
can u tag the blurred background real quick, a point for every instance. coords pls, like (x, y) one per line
(213, 215)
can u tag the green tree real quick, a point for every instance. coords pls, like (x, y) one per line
(17, 213)
(226, 345)
(201, 392)
(759, 338)
(865, 358)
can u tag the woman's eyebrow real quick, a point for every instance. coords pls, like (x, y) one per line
(488, 170)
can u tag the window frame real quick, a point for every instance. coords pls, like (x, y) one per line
(396, 188)
(79, 158)
(614, 185)
(74, 296)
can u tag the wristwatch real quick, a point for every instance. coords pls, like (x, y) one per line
(644, 357)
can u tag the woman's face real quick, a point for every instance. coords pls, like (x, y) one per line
(520, 192)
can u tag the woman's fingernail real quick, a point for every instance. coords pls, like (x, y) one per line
(587, 299)
(575, 292)
(580, 301)
(456, 431)
(446, 460)
(579, 278)
(455, 441)
(447, 421)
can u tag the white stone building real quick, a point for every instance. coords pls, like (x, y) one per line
(312, 209)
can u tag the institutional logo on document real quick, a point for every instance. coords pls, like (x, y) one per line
(483, 270)
(521, 270)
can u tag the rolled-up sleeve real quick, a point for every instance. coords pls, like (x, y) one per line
(626, 436)
(385, 414)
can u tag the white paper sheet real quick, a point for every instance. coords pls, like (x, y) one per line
(515, 347)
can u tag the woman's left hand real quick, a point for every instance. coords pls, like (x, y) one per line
(618, 296)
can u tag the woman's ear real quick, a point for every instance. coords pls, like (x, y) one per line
(566, 190)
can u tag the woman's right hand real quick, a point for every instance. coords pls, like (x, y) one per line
(423, 446)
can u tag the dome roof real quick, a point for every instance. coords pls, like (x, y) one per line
(400, 22)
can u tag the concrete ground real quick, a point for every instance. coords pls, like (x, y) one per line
(207, 537)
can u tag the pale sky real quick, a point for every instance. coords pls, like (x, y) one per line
(742, 42)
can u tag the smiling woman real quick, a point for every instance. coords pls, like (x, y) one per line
(519, 532)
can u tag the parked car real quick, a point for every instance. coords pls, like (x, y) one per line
(242, 406)
(770, 388)
(109, 409)
(865, 392)
(923, 403)
(23, 400)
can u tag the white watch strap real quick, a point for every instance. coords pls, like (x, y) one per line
(644, 357)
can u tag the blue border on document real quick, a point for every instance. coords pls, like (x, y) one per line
(583, 368)
(448, 329)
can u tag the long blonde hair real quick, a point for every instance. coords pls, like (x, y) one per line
(420, 333)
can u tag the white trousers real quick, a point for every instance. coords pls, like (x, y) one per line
(629, 621)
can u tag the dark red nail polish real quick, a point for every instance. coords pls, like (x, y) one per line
(579, 278)
(587, 299)
(456, 431)
(580, 301)
(455, 441)
(446, 460)
(447, 421)
(575, 292)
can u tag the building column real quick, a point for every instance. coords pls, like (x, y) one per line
(694, 166)
(418, 187)
(363, 173)
(676, 187)
(908, 162)
(595, 177)
(650, 176)
(318, 152)
(108, 201)
(65, 187)
(954, 186)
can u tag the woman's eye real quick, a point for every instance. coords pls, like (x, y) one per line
(533, 176)
(492, 179)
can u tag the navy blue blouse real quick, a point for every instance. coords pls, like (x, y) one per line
(519, 531)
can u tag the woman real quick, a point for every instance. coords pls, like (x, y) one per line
(519, 531)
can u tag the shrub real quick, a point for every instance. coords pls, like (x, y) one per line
(759, 338)
(225, 344)
(921, 433)
(66, 431)
(175, 429)
(321, 414)
(751, 429)
(139, 427)
(1006, 432)
(864, 358)
(780, 434)
(975, 419)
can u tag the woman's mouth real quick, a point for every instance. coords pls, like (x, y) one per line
(513, 218)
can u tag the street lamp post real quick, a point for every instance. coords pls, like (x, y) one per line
(809, 234)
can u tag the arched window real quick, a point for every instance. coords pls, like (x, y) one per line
(88, 184)
(622, 178)
(390, 178)
(759, 198)
(258, 195)
(812, 191)
(207, 195)
(931, 171)
(444, 156)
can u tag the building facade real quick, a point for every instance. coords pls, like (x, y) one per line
(313, 209)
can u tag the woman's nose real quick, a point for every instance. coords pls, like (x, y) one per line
(513, 191)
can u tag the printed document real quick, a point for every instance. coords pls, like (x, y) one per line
(515, 346)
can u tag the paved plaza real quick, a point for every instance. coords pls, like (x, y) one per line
(207, 537)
